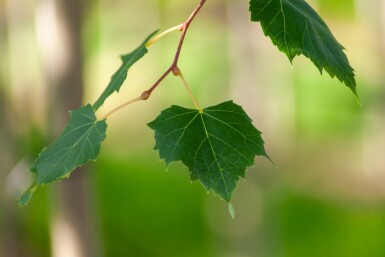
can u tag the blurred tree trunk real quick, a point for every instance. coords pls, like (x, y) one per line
(8, 234)
(8, 237)
(382, 32)
(5, 146)
(372, 17)
(59, 29)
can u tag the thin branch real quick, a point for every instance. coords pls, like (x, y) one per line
(149, 91)
(174, 64)
(184, 31)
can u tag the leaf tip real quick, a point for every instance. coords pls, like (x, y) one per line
(354, 90)
(26, 197)
(231, 211)
(264, 154)
(357, 98)
(271, 160)
(352, 85)
(226, 195)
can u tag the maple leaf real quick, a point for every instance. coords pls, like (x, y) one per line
(217, 144)
(295, 28)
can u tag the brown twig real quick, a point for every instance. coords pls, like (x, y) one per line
(174, 65)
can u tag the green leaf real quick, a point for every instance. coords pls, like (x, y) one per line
(295, 28)
(79, 143)
(121, 74)
(217, 144)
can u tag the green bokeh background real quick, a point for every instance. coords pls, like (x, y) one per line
(324, 198)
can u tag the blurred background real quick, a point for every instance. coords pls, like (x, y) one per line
(326, 197)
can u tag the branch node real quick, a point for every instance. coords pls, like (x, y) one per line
(174, 66)
(176, 71)
(145, 95)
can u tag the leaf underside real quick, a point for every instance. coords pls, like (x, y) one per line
(295, 28)
(121, 74)
(79, 143)
(216, 144)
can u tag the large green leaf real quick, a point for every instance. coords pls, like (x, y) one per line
(121, 74)
(295, 28)
(79, 143)
(217, 144)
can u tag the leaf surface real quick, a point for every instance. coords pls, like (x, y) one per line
(295, 28)
(121, 74)
(216, 144)
(79, 143)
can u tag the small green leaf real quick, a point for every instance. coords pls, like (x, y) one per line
(121, 74)
(216, 144)
(295, 28)
(79, 143)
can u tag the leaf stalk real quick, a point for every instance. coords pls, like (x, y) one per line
(174, 64)
(136, 99)
(180, 75)
(175, 28)
(173, 67)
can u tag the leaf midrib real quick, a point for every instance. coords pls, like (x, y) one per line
(54, 167)
(214, 153)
